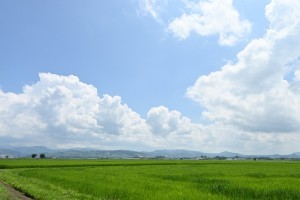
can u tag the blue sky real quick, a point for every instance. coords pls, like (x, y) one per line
(152, 54)
(111, 45)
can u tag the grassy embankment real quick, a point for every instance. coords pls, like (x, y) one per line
(149, 179)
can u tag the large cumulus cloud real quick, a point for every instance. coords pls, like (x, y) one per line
(260, 92)
(63, 110)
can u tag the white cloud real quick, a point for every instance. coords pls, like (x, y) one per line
(64, 101)
(173, 130)
(118, 119)
(164, 122)
(297, 75)
(211, 17)
(61, 110)
(253, 94)
(152, 8)
(205, 18)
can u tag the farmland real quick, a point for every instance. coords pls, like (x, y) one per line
(153, 179)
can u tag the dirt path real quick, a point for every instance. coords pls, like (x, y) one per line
(14, 193)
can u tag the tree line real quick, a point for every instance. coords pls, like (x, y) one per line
(42, 155)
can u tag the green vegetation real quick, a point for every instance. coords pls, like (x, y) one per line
(153, 179)
(42, 155)
(4, 194)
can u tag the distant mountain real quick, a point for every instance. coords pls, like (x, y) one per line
(33, 149)
(82, 149)
(175, 153)
(10, 153)
(230, 154)
(96, 154)
(294, 155)
(93, 153)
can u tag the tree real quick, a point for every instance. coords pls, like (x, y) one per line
(42, 155)
(6, 157)
(33, 155)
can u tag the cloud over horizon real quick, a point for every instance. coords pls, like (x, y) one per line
(253, 93)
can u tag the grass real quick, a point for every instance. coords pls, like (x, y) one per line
(4, 194)
(144, 179)
(49, 163)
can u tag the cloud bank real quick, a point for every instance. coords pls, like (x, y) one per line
(253, 94)
(61, 111)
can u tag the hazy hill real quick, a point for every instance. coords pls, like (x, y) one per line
(96, 154)
(10, 153)
(175, 153)
(93, 153)
(33, 149)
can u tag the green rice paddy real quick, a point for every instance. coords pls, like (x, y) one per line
(153, 179)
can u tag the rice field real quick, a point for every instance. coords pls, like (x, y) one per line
(153, 179)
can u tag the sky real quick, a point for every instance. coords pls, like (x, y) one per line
(205, 75)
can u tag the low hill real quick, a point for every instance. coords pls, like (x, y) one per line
(123, 154)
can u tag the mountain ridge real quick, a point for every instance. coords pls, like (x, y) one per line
(16, 152)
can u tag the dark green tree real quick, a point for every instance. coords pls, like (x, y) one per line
(33, 155)
(42, 155)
